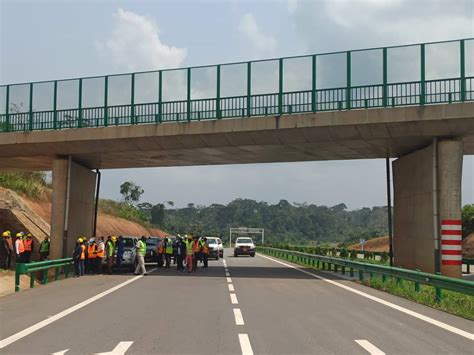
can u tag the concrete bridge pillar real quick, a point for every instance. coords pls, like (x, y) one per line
(72, 212)
(427, 209)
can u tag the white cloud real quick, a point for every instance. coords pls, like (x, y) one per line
(262, 43)
(135, 44)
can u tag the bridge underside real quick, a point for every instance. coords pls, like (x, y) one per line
(358, 134)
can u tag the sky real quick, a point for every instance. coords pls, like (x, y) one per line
(43, 40)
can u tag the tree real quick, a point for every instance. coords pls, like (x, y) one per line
(158, 214)
(170, 203)
(131, 192)
(467, 220)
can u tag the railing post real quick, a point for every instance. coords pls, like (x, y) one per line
(56, 274)
(463, 70)
(313, 85)
(280, 86)
(17, 278)
(106, 101)
(79, 123)
(361, 275)
(438, 292)
(160, 97)
(188, 103)
(422, 77)
(30, 121)
(385, 78)
(32, 280)
(66, 271)
(249, 88)
(45, 277)
(351, 272)
(218, 93)
(55, 105)
(132, 94)
(335, 267)
(348, 90)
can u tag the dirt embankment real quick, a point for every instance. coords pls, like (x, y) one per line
(380, 244)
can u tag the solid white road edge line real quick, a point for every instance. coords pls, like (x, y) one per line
(229, 280)
(239, 320)
(371, 348)
(233, 298)
(427, 319)
(62, 352)
(245, 344)
(231, 287)
(21, 334)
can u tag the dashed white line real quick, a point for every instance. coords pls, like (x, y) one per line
(427, 319)
(25, 332)
(239, 320)
(245, 344)
(231, 287)
(227, 274)
(233, 298)
(371, 348)
(229, 280)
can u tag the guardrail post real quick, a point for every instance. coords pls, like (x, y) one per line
(32, 280)
(423, 72)
(249, 88)
(438, 292)
(463, 70)
(218, 93)
(361, 275)
(343, 270)
(384, 278)
(132, 100)
(17, 278)
(385, 78)
(106, 101)
(335, 268)
(417, 287)
(79, 123)
(348, 90)
(280, 86)
(55, 105)
(371, 275)
(66, 271)
(45, 277)
(188, 96)
(313, 85)
(30, 120)
(312, 262)
(56, 274)
(351, 272)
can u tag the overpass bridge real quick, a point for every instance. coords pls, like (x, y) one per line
(414, 103)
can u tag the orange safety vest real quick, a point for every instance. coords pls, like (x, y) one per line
(161, 249)
(27, 244)
(196, 246)
(205, 249)
(91, 253)
(100, 251)
(21, 248)
(83, 252)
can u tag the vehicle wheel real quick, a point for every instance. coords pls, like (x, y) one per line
(217, 256)
(252, 255)
(222, 254)
(235, 255)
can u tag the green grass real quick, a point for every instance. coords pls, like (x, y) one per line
(122, 210)
(452, 302)
(31, 184)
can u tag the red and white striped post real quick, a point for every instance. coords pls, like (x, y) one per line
(451, 247)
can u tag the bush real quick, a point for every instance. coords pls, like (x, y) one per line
(30, 184)
(122, 210)
(343, 253)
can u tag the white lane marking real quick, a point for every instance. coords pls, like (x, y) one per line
(227, 274)
(239, 320)
(224, 262)
(62, 352)
(233, 298)
(21, 334)
(427, 319)
(371, 348)
(245, 344)
(229, 280)
(231, 287)
(120, 349)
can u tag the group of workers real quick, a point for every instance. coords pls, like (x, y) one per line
(188, 250)
(21, 246)
(89, 255)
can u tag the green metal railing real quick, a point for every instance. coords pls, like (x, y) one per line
(32, 268)
(439, 72)
(439, 282)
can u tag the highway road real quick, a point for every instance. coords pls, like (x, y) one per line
(237, 306)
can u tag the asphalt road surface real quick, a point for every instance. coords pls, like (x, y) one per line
(238, 305)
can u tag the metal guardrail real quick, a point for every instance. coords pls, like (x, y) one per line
(354, 79)
(439, 282)
(31, 268)
(468, 262)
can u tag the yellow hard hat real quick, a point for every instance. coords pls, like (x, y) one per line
(29, 235)
(80, 240)
(6, 234)
(20, 234)
(114, 238)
